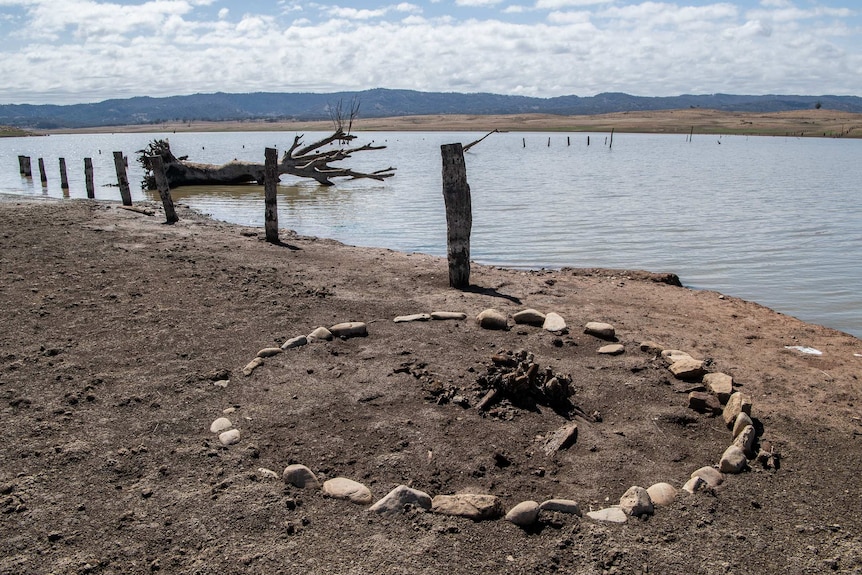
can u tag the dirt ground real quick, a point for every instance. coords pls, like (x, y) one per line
(116, 326)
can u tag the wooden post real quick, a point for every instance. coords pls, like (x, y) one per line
(158, 170)
(26, 169)
(64, 179)
(612, 139)
(588, 140)
(459, 214)
(549, 141)
(524, 142)
(88, 178)
(42, 175)
(270, 188)
(122, 178)
(568, 140)
(691, 134)
(21, 164)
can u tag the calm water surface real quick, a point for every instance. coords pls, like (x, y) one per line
(773, 220)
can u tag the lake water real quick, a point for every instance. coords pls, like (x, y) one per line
(770, 219)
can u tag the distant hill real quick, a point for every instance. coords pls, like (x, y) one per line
(379, 103)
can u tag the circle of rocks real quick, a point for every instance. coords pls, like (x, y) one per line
(718, 398)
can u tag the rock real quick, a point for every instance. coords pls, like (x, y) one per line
(694, 485)
(446, 315)
(529, 317)
(251, 366)
(652, 347)
(293, 342)
(687, 369)
(661, 494)
(601, 330)
(469, 505)
(320, 334)
(738, 403)
(222, 383)
(395, 501)
(269, 352)
(347, 489)
(412, 317)
(267, 473)
(636, 502)
(609, 515)
(300, 476)
(229, 437)
(745, 441)
(711, 475)
(492, 319)
(612, 349)
(671, 356)
(742, 421)
(732, 460)
(720, 384)
(703, 402)
(554, 322)
(561, 506)
(523, 514)
(349, 329)
(563, 438)
(220, 424)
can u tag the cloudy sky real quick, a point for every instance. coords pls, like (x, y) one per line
(69, 51)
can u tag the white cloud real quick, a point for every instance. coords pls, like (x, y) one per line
(479, 3)
(559, 4)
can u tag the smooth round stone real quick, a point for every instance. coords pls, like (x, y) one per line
(609, 515)
(523, 514)
(347, 489)
(561, 506)
(220, 424)
(636, 502)
(529, 317)
(251, 366)
(470, 505)
(412, 317)
(320, 333)
(733, 460)
(711, 475)
(743, 420)
(448, 315)
(229, 437)
(396, 501)
(600, 329)
(612, 349)
(349, 329)
(300, 476)
(694, 485)
(554, 322)
(269, 352)
(293, 342)
(492, 319)
(661, 493)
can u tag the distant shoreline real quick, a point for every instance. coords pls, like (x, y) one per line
(801, 123)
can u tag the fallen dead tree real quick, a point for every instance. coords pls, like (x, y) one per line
(311, 161)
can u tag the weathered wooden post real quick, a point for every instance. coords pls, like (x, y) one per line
(549, 141)
(26, 170)
(588, 140)
(158, 170)
(42, 175)
(568, 140)
(64, 179)
(270, 188)
(122, 178)
(459, 214)
(88, 178)
(610, 147)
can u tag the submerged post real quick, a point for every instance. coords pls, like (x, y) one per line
(25, 167)
(42, 175)
(270, 187)
(122, 178)
(64, 179)
(158, 169)
(88, 178)
(459, 214)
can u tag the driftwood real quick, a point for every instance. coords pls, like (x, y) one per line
(303, 161)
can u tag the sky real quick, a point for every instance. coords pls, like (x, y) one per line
(76, 51)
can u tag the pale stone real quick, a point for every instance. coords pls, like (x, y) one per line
(609, 515)
(720, 384)
(251, 366)
(222, 383)
(220, 424)
(469, 505)
(492, 319)
(320, 333)
(229, 437)
(563, 438)
(742, 421)
(703, 402)
(694, 485)
(612, 349)
(412, 317)
(523, 514)
(738, 403)
(561, 506)
(269, 352)
(745, 440)
(554, 322)
(732, 460)
(661, 494)
(343, 488)
(636, 502)
(300, 476)
(711, 475)
(267, 473)
(396, 500)
(652, 347)
(293, 342)
(671, 356)
(446, 315)
(529, 317)
(687, 369)
(349, 329)
(600, 329)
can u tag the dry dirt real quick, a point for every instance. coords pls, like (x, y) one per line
(115, 327)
